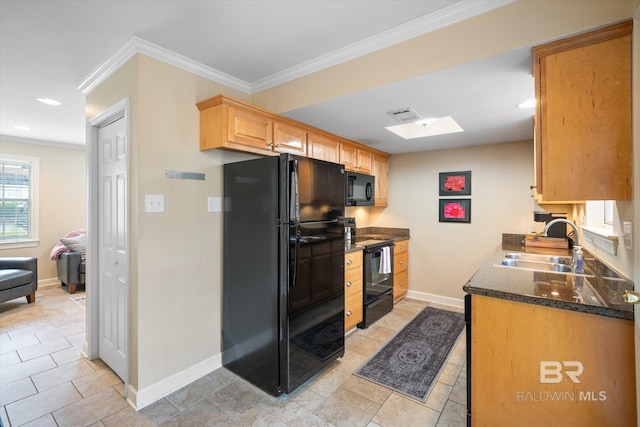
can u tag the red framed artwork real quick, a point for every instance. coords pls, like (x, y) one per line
(455, 183)
(455, 210)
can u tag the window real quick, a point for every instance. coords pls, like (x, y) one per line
(18, 201)
(608, 213)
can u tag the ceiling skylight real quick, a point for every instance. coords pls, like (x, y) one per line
(426, 127)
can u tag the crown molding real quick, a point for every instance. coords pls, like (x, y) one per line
(56, 144)
(450, 15)
(457, 12)
(137, 45)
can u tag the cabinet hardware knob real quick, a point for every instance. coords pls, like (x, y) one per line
(269, 145)
(349, 262)
(348, 284)
(277, 145)
(348, 313)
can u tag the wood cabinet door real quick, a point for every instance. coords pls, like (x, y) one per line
(323, 148)
(380, 169)
(400, 269)
(584, 93)
(353, 299)
(251, 129)
(288, 138)
(364, 159)
(533, 365)
(348, 156)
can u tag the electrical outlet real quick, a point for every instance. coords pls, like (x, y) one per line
(627, 227)
(154, 203)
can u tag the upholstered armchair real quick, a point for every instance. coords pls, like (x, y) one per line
(69, 256)
(18, 278)
(71, 270)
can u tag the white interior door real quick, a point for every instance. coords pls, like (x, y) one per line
(113, 276)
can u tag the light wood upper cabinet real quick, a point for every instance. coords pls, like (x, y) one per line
(250, 129)
(364, 159)
(583, 127)
(231, 124)
(348, 155)
(288, 138)
(380, 169)
(355, 158)
(323, 147)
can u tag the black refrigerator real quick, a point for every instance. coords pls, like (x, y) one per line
(283, 278)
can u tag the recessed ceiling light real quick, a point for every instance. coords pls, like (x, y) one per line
(49, 101)
(20, 127)
(529, 103)
(426, 127)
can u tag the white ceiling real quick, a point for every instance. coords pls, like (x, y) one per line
(49, 48)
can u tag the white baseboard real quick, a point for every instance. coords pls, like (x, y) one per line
(48, 283)
(438, 299)
(138, 399)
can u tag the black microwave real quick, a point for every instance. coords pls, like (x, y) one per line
(360, 189)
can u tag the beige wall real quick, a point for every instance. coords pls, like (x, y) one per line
(443, 256)
(63, 196)
(175, 259)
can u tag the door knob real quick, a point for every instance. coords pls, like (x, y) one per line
(631, 297)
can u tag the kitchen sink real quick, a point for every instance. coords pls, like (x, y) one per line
(536, 257)
(536, 265)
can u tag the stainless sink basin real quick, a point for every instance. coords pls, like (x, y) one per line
(537, 257)
(536, 265)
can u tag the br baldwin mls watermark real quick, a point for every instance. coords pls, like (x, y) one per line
(556, 372)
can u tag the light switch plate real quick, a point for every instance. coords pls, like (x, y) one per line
(214, 204)
(154, 203)
(627, 227)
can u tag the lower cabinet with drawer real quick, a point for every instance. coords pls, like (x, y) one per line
(353, 289)
(400, 269)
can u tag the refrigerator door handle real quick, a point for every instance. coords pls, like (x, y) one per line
(294, 212)
(296, 251)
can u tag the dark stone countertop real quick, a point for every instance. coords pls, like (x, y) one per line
(382, 233)
(599, 291)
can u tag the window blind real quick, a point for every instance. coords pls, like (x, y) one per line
(16, 201)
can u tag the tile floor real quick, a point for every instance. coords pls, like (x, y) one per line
(44, 381)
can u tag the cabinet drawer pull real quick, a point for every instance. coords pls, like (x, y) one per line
(270, 145)
(401, 262)
(349, 262)
(348, 313)
(348, 284)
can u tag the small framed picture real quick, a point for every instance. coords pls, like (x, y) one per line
(455, 210)
(455, 183)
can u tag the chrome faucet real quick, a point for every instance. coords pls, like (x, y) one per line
(575, 236)
(566, 221)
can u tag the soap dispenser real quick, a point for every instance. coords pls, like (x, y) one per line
(578, 260)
